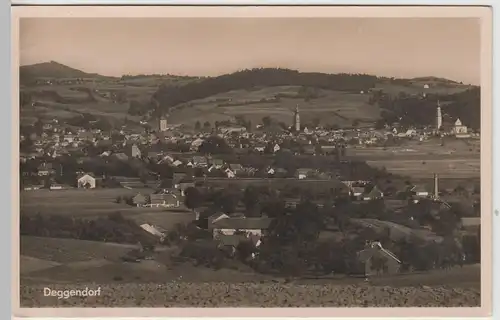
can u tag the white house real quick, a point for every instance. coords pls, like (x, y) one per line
(230, 173)
(302, 173)
(177, 163)
(357, 191)
(459, 127)
(247, 226)
(87, 181)
(196, 144)
(276, 148)
(420, 191)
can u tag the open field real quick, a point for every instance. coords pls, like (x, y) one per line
(420, 290)
(258, 295)
(99, 203)
(64, 251)
(162, 282)
(446, 168)
(78, 101)
(430, 149)
(331, 107)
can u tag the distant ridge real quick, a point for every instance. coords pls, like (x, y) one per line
(435, 79)
(53, 69)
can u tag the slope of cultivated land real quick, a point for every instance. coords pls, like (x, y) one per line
(330, 107)
(62, 251)
(256, 97)
(259, 295)
(436, 86)
(69, 100)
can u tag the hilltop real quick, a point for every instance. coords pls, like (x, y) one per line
(52, 69)
(327, 99)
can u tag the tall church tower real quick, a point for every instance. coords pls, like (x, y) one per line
(439, 116)
(162, 126)
(296, 119)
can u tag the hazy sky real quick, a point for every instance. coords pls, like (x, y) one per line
(400, 47)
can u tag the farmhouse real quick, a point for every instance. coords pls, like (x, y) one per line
(357, 191)
(459, 128)
(199, 162)
(247, 226)
(56, 186)
(419, 191)
(167, 200)
(139, 200)
(236, 168)
(196, 144)
(154, 230)
(45, 169)
(303, 173)
(374, 194)
(229, 173)
(133, 151)
(86, 181)
(33, 187)
(216, 163)
(276, 148)
(177, 163)
(375, 260)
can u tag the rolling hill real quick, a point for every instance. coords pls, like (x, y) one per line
(333, 99)
(328, 99)
(53, 70)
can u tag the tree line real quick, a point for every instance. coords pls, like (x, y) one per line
(112, 228)
(168, 96)
(416, 110)
(292, 245)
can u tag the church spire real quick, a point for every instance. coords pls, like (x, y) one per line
(439, 117)
(296, 119)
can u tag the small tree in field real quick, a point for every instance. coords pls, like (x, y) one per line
(193, 199)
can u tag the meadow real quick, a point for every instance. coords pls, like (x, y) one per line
(331, 107)
(446, 168)
(96, 203)
(163, 282)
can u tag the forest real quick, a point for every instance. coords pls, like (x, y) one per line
(418, 111)
(169, 96)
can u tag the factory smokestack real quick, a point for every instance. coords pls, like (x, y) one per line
(436, 186)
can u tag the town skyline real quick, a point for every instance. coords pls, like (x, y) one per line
(429, 47)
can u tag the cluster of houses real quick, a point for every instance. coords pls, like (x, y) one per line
(58, 139)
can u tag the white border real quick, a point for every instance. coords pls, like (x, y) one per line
(6, 66)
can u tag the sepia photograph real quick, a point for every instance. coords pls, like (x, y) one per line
(247, 160)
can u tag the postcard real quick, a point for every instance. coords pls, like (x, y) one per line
(273, 161)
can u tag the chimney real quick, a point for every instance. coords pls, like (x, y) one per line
(436, 186)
